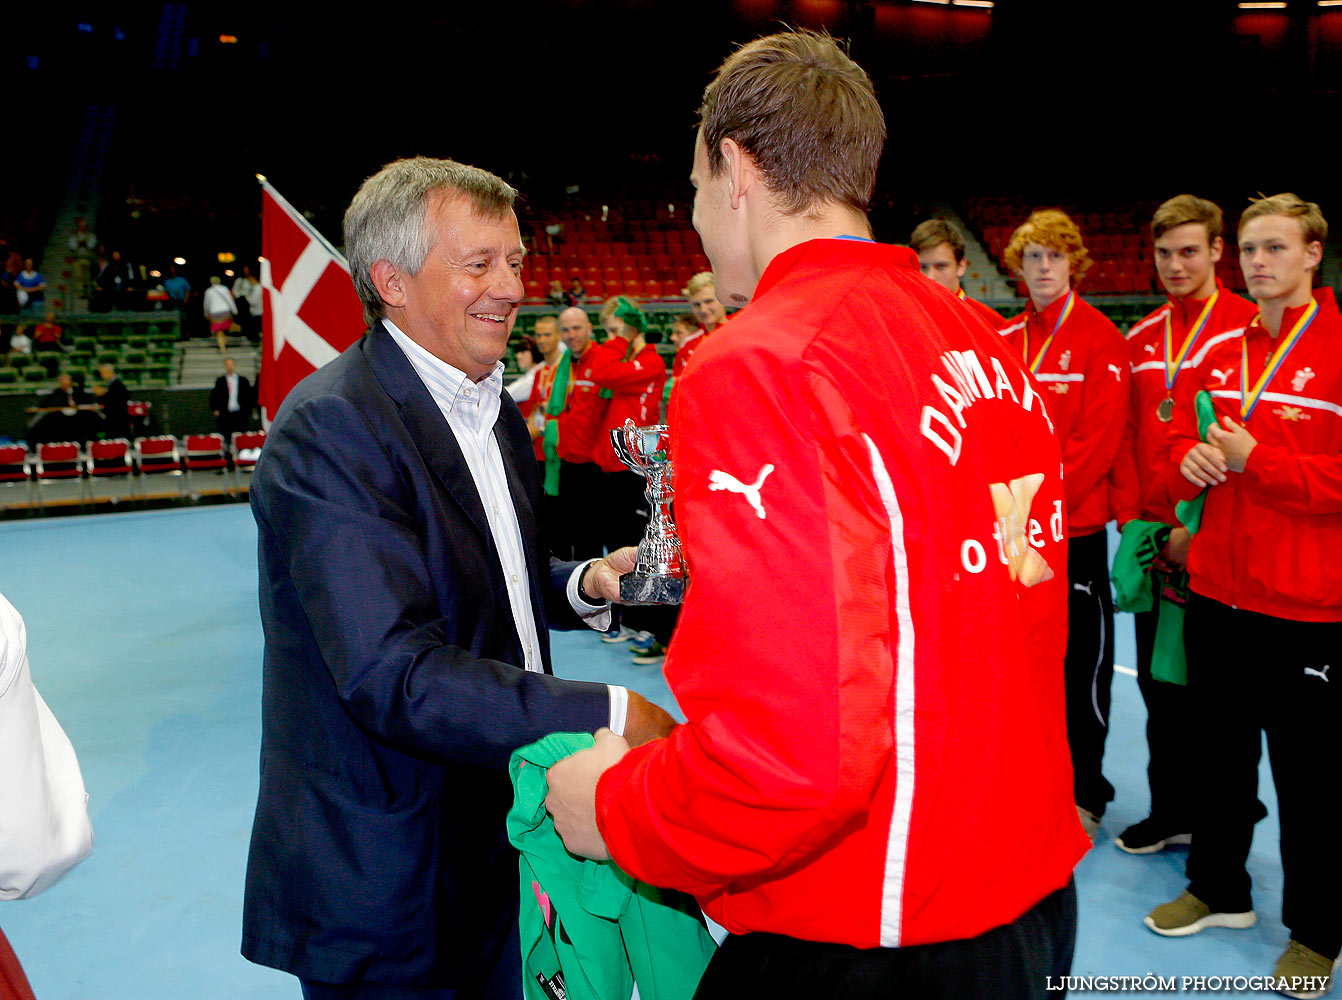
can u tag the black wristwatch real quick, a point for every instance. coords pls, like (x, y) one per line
(583, 595)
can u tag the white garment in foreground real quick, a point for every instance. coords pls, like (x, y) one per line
(44, 817)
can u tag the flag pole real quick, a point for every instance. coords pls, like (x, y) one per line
(302, 222)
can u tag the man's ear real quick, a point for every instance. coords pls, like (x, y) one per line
(387, 281)
(740, 170)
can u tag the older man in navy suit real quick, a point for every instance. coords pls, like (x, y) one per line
(405, 596)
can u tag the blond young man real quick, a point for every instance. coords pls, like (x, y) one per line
(1264, 621)
(940, 247)
(1165, 348)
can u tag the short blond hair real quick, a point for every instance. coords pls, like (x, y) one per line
(702, 280)
(1055, 230)
(1312, 222)
(1183, 209)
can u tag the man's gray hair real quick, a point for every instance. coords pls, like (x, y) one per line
(386, 219)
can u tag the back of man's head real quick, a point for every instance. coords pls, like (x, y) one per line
(806, 114)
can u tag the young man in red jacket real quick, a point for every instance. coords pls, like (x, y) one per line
(1081, 360)
(941, 256)
(634, 374)
(871, 791)
(1164, 348)
(1264, 621)
(576, 428)
(702, 295)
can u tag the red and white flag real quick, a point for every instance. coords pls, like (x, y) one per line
(312, 312)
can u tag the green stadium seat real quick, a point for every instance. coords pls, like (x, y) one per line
(137, 343)
(34, 374)
(162, 356)
(20, 360)
(130, 374)
(155, 375)
(9, 378)
(134, 358)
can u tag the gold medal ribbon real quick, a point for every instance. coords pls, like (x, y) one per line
(1249, 397)
(1172, 367)
(1062, 318)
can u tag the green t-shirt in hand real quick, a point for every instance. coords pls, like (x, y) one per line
(589, 931)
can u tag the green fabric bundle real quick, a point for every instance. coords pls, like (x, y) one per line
(1139, 586)
(589, 931)
(1190, 511)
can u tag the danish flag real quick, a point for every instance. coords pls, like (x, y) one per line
(312, 312)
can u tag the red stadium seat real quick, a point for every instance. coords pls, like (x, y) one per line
(56, 461)
(158, 455)
(106, 460)
(204, 452)
(15, 469)
(652, 289)
(246, 450)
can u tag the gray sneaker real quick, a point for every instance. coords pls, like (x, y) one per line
(1303, 972)
(1188, 915)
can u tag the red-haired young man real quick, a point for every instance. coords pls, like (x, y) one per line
(1081, 360)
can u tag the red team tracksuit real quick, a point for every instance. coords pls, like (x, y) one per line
(1263, 632)
(875, 753)
(580, 478)
(687, 349)
(1084, 374)
(990, 315)
(1145, 489)
(636, 384)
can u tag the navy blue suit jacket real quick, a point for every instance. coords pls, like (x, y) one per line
(393, 691)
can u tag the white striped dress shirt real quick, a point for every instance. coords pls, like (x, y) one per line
(471, 410)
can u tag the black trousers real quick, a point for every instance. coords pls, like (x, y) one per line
(1167, 734)
(1250, 674)
(580, 511)
(1012, 962)
(1089, 667)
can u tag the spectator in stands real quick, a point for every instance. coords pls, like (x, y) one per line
(64, 414)
(527, 356)
(31, 288)
(114, 398)
(179, 293)
(576, 428)
(19, 341)
(940, 247)
(220, 310)
(231, 400)
(248, 296)
(83, 246)
(47, 334)
(1163, 349)
(576, 294)
(1264, 621)
(9, 302)
(1082, 361)
(116, 283)
(556, 297)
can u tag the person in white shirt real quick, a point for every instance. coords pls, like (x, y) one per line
(247, 289)
(220, 308)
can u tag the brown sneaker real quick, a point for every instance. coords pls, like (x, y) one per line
(1303, 972)
(1188, 915)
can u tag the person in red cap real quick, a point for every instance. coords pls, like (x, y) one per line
(871, 790)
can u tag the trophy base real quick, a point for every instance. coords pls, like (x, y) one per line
(635, 589)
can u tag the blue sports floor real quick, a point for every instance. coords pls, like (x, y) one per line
(145, 640)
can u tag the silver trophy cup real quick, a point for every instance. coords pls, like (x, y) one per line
(659, 575)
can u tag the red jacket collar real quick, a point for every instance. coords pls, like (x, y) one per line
(835, 253)
(1050, 315)
(1323, 295)
(1188, 308)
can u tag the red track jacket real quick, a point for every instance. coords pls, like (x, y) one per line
(1085, 377)
(876, 749)
(687, 349)
(586, 409)
(1271, 535)
(990, 315)
(1142, 464)
(637, 385)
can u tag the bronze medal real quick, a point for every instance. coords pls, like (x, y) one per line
(1165, 411)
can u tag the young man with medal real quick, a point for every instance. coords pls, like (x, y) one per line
(1164, 348)
(1081, 362)
(1264, 622)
